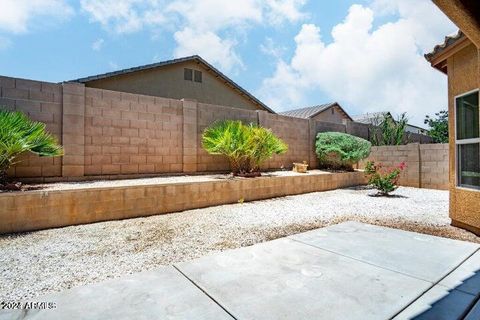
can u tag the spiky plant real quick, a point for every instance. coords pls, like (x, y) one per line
(245, 146)
(19, 134)
(263, 145)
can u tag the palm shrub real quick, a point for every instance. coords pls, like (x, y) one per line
(337, 150)
(245, 146)
(19, 134)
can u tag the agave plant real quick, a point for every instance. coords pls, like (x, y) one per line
(245, 146)
(19, 134)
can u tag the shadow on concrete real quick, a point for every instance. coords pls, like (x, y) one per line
(461, 302)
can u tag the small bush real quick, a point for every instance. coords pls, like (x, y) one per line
(336, 150)
(245, 146)
(385, 180)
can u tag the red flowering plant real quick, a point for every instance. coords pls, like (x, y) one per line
(384, 179)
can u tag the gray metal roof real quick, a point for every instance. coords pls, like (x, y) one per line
(195, 58)
(371, 117)
(310, 112)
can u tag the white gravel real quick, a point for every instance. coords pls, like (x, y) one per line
(36, 263)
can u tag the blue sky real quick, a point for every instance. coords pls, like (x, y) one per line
(365, 54)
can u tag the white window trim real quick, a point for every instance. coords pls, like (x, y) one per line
(463, 141)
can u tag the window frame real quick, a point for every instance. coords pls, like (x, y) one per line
(197, 79)
(463, 141)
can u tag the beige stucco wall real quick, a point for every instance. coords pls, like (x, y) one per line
(327, 116)
(168, 82)
(463, 76)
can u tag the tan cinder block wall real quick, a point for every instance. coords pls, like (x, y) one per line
(463, 76)
(295, 132)
(132, 134)
(58, 208)
(434, 166)
(110, 134)
(41, 101)
(427, 164)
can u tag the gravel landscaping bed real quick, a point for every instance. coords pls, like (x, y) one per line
(36, 263)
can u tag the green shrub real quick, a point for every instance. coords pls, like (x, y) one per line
(19, 134)
(245, 146)
(336, 150)
(385, 180)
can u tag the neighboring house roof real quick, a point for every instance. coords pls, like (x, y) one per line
(371, 117)
(438, 56)
(194, 58)
(310, 112)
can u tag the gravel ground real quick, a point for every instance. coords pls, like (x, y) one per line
(36, 263)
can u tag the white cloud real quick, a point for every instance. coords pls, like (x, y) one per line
(211, 47)
(367, 69)
(271, 49)
(211, 28)
(16, 16)
(98, 44)
(280, 10)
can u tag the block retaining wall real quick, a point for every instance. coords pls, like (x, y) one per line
(35, 210)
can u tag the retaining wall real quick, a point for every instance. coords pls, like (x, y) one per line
(35, 210)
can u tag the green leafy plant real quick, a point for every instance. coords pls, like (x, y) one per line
(336, 150)
(385, 180)
(438, 126)
(19, 134)
(386, 131)
(245, 146)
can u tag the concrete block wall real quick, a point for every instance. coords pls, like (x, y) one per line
(132, 134)
(41, 101)
(434, 166)
(111, 134)
(295, 132)
(427, 164)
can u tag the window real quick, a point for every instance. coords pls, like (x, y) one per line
(187, 74)
(198, 76)
(333, 111)
(468, 140)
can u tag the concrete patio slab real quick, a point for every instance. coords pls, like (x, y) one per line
(423, 256)
(347, 271)
(284, 279)
(439, 303)
(160, 294)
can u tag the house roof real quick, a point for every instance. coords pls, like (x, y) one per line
(310, 112)
(194, 58)
(371, 117)
(447, 42)
(437, 57)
